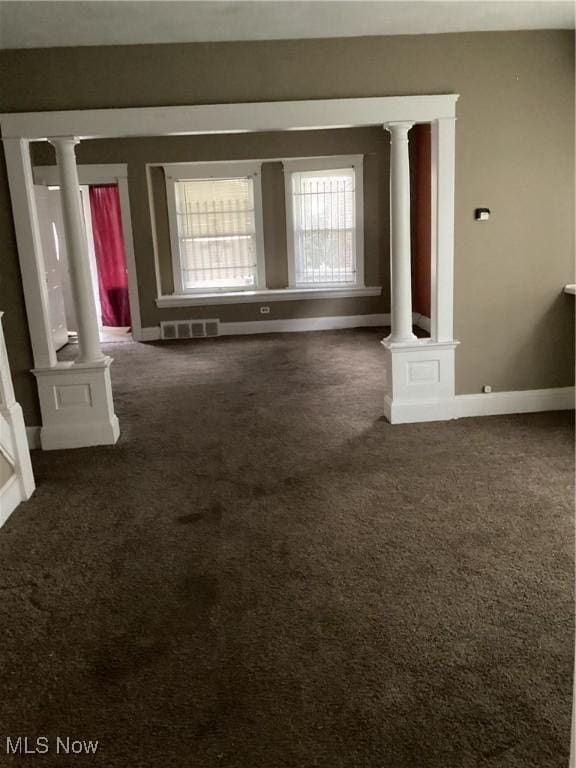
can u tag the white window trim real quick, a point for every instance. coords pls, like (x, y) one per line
(326, 164)
(180, 171)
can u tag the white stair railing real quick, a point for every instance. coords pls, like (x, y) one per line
(16, 478)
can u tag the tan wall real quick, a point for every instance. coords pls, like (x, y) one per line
(373, 143)
(515, 155)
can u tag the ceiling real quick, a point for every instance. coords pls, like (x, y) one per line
(70, 23)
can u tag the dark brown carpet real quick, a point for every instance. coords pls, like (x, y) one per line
(264, 573)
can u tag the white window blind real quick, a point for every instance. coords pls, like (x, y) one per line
(324, 216)
(216, 233)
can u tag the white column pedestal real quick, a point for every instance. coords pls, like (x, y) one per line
(419, 381)
(76, 404)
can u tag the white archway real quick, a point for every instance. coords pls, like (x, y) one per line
(76, 398)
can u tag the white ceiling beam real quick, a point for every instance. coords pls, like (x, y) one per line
(226, 118)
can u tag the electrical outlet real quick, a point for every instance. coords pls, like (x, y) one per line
(264, 310)
(486, 389)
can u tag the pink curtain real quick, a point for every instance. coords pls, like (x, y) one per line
(110, 255)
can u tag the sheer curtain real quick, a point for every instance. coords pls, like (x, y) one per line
(110, 255)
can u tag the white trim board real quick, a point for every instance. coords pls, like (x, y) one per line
(493, 404)
(304, 324)
(289, 326)
(523, 401)
(227, 118)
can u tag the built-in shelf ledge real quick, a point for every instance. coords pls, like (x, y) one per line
(570, 289)
(263, 296)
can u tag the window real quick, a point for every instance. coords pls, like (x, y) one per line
(324, 206)
(216, 227)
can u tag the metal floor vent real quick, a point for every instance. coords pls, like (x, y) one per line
(189, 329)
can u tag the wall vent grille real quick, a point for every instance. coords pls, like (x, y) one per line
(189, 329)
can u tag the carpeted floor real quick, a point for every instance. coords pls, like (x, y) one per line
(263, 573)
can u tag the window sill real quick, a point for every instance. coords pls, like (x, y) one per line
(262, 296)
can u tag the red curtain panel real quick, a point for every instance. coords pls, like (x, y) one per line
(110, 254)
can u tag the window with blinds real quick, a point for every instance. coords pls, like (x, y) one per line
(216, 229)
(324, 227)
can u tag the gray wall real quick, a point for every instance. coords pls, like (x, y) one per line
(515, 155)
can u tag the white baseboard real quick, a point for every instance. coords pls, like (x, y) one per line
(524, 401)
(493, 404)
(288, 326)
(304, 324)
(33, 437)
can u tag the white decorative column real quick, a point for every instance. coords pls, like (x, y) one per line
(76, 397)
(419, 376)
(400, 255)
(77, 249)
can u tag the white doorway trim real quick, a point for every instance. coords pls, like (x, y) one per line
(422, 371)
(47, 175)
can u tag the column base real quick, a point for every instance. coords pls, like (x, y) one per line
(419, 381)
(77, 406)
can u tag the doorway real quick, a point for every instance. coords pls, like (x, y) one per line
(103, 218)
(107, 256)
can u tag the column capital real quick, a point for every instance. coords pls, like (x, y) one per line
(63, 143)
(399, 127)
